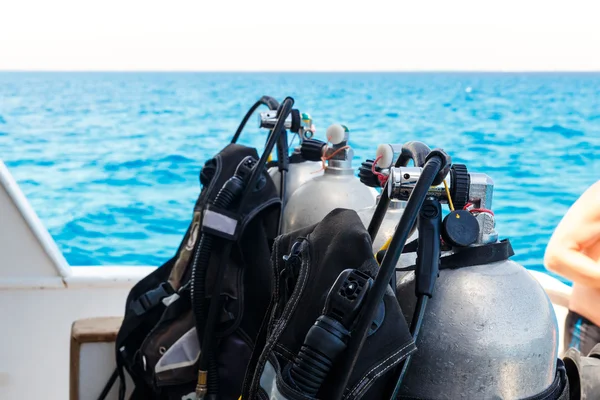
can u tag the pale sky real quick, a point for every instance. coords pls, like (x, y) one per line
(308, 35)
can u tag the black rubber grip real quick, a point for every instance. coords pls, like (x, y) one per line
(295, 121)
(460, 182)
(366, 175)
(312, 149)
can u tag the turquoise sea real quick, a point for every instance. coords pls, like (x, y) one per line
(110, 161)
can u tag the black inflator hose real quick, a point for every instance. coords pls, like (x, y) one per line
(204, 324)
(415, 151)
(436, 162)
(283, 164)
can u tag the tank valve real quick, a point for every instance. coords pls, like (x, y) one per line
(464, 187)
(296, 122)
(339, 155)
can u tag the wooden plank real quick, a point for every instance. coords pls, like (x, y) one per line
(91, 330)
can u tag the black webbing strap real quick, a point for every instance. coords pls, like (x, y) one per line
(476, 255)
(151, 298)
(109, 384)
(410, 247)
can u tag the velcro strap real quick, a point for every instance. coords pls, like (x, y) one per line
(220, 222)
(151, 298)
(476, 255)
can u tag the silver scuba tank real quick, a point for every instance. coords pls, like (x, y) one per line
(489, 331)
(336, 187)
(300, 170)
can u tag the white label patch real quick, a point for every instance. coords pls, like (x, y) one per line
(219, 222)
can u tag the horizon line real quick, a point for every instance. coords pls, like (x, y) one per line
(227, 71)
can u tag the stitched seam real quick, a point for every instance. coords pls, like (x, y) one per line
(287, 311)
(262, 360)
(383, 371)
(379, 365)
(258, 209)
(279, 329)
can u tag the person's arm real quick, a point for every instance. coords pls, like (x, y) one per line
(576, 237)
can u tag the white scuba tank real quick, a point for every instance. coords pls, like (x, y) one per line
(299, 172)
(300, 169)
(336, 187)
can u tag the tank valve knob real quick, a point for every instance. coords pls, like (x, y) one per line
(366, 175)
(313, 149)
(460, 181)
(460, 228)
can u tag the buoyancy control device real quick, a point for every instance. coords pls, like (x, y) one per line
(324, 277)
(337, 187)
(186, 321)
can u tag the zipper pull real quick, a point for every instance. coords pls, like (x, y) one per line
(294, 259)
(291, 270)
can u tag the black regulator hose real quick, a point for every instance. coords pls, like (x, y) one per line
(415, 151)
(263, 101)
(282, 145)
(206, 326)
(283, 164)
(434, 171)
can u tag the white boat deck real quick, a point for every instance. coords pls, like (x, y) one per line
(42, 295)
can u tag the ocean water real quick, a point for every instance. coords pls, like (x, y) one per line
(110, 161)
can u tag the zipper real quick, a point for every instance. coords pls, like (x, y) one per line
(290, 272)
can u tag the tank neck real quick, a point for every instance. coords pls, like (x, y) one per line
(339, 167)
(341, 162)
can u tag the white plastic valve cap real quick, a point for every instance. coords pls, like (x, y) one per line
(386, 153)
(335, 134)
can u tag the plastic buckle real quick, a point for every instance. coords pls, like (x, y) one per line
(151, 298)
(219, 222)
